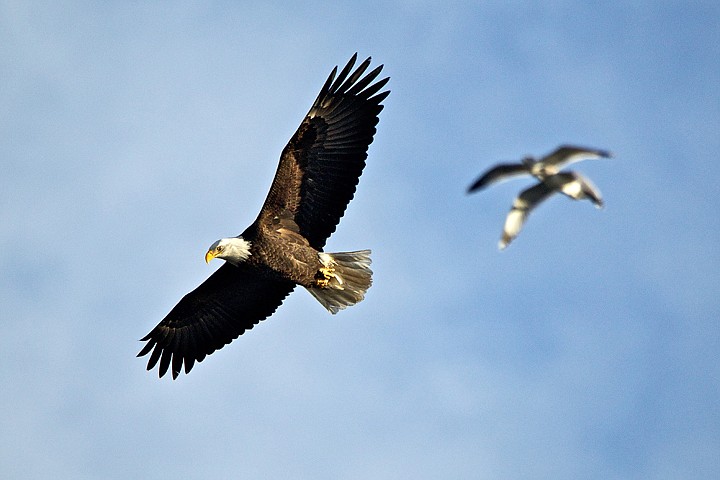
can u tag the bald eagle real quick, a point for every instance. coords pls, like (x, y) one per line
(316, 178)
(551, 180)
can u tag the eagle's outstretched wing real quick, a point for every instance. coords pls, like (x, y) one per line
(322, 163)
(230, 301)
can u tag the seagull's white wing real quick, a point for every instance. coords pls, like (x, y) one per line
(567, 154)
(576, 187)
(521, 208)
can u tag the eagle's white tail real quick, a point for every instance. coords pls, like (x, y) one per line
(345, 279)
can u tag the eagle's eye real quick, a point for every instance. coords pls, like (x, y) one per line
(219, 248)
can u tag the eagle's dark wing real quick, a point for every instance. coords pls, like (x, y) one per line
(322, 163)
(230, 301)
(499, 173)
(567, 154)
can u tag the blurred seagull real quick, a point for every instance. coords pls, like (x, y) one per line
(571, 184)
(539, 168)
(547, 170)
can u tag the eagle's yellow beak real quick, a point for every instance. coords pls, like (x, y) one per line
(209, 256)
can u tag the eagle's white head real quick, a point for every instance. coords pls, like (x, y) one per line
(233, 250)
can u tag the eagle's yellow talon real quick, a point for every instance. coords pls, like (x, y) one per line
(323, 276)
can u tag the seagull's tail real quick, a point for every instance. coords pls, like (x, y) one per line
(343, 281)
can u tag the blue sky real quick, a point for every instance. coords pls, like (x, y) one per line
(135, 134)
